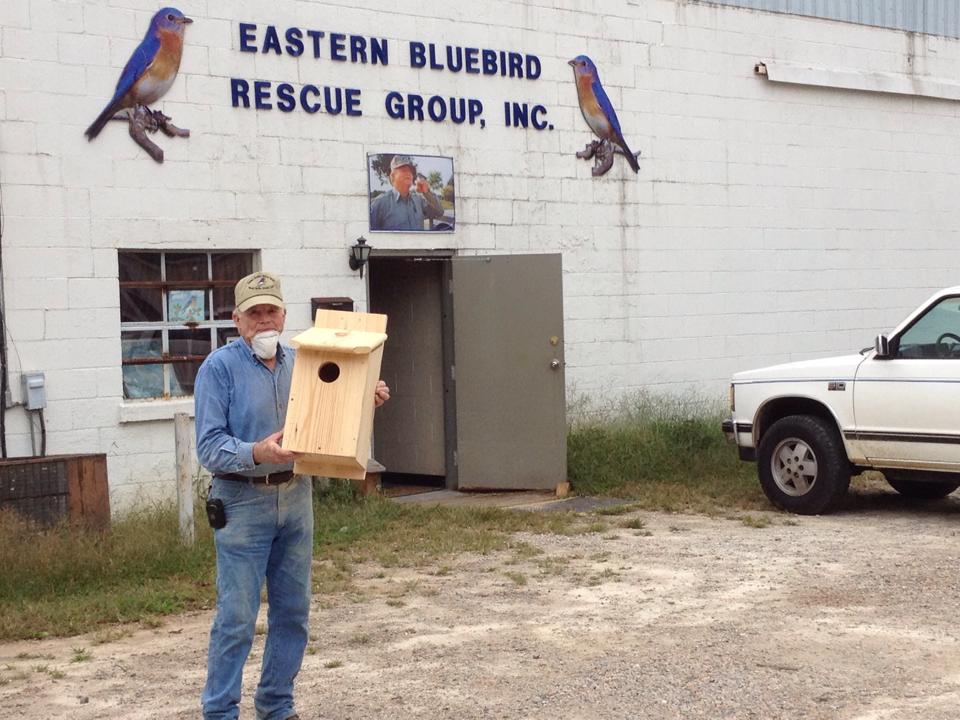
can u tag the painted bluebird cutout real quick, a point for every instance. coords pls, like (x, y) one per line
(146, 77)
(601, 118)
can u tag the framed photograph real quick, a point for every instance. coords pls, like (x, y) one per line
(411, 193)
(186, 306)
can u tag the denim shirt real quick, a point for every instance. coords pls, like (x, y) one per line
(238, 402)
(392, 212)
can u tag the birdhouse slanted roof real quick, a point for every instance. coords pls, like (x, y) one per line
(348, 342)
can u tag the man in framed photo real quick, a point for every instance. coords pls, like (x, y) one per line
(408, 203)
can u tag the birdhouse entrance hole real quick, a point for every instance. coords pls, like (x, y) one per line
(329, 372)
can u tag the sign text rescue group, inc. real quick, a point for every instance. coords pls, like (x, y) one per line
(340, 47)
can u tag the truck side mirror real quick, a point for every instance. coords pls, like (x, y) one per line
(882, 345)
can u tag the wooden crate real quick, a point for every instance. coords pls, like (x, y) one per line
(56, 488)
(330, 410)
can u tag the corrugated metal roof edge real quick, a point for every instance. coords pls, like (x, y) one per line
(843, 12)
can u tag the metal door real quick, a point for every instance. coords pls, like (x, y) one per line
(509, 372)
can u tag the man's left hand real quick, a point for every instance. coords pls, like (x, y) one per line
(381, 394)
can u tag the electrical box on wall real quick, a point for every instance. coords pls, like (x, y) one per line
(343, 304)
(34, 390)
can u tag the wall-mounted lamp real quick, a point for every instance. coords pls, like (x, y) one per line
(359, 254)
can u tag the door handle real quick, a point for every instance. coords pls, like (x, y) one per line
(554, 364)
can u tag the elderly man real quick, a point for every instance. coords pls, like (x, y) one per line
(399, 208)
(262, 512)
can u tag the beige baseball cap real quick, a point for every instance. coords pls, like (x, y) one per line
(259, 288)
(400, 161)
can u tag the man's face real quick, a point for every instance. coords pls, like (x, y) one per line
(258, 319)
(402, 179)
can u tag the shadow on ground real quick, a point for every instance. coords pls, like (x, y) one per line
(879, 500)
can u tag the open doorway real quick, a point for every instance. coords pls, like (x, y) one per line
(413, 433)
(475, 364)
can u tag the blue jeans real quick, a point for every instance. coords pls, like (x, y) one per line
(268, 535)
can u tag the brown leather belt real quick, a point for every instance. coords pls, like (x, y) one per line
(276, 478)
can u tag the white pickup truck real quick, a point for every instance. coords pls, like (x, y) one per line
(895, 408)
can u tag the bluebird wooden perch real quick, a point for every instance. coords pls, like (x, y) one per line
(143, 120)
(602, 151)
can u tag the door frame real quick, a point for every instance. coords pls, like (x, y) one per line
(451, 261)
(444, 256)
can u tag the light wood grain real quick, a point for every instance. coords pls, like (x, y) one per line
(330, 423)
(329, 466)
(337, 319)
(182, 428)
(356, 342)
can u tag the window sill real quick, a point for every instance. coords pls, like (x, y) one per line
(146, 410)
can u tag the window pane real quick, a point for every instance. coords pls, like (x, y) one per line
(186, 266)
(182, 378)
(935, 334)
(136, 344)
(186, 343)
(223, 303)
(142, 381)
(232, 266)
(141, 305)
(225, 335)
(186, 306)
(139, 266)
(190, 342)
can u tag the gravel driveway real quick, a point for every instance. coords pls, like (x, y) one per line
(775, 616)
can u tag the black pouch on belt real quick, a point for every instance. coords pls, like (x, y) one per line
(216, 515)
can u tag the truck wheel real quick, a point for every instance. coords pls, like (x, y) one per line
(921, 485)
(803, 466)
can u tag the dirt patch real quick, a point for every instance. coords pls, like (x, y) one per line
(847, 616)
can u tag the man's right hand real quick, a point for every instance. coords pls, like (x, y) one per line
(269, 451)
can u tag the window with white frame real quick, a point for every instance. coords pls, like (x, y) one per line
(175, 309)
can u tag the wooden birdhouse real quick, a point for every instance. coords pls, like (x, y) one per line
(330, 412)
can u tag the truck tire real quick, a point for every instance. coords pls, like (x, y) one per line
(918, 485)
(802, 465)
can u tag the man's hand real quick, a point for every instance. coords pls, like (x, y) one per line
(269, 451)
(381, 394)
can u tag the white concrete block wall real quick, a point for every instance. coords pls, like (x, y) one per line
(768, 222)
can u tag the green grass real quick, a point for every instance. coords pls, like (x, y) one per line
(652, 453)
(518, 578)
(754, 521)
(614, 510)
(66, 580)
(395, 535)
(660, 453)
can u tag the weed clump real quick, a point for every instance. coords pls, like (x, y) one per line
(664, 452)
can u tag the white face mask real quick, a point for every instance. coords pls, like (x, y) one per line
(265, 344)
